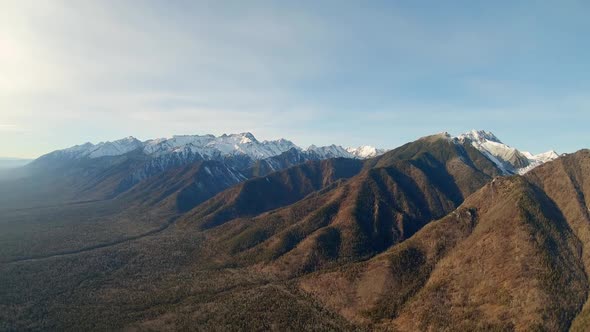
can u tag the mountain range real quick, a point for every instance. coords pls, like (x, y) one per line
(244, 146)
(209, 147)
(109, 169)
(230, 233)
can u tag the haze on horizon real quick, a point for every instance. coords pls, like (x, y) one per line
(349, 74)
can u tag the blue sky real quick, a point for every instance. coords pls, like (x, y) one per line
(350, 73)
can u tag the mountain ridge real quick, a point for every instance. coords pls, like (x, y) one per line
(245, 146)
(210, 146)
(116, 167)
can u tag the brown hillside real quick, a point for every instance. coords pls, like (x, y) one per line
(567, 182)
(182, 188)
(277, 189)
(359, 218)
(512, 257)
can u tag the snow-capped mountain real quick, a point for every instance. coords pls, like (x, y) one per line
(239, 152)
(101, 149)
(209, 147)
(365, 151)
(510, 160)
(542, 157)
(330, 151)
(108, 169)
(206, 146)
(242, 150)
(337, 151)
(537, 160)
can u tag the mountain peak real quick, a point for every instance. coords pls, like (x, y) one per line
(435, 137)
(507, 158)
(549, 154)
(129, 140)
(479, 136)
(365, 151)
(245, 136)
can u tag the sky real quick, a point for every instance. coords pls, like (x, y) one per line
(351, 73)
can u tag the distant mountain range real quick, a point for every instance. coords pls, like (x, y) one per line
(109, 169)
(209, 147)
(246, 148)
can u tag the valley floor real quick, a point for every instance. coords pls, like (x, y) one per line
(157, 282)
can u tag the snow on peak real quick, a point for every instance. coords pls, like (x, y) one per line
(438, 136)
(248, 137)
(546, 156)
(365, 151)
(479, 136)
(241, 138)
(212, 147)
(209, 146)
(510, 160)
(337, 151)
(330, 151)
(113, 148)
(537, 160)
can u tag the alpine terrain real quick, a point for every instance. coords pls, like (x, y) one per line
(444, 233)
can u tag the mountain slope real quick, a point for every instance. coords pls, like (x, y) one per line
(272, 191)
(513, 256)
(567, 182)
(182, 188)
(392, 198)
(485, 266)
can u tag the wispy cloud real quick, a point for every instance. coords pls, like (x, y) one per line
(332, 72)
